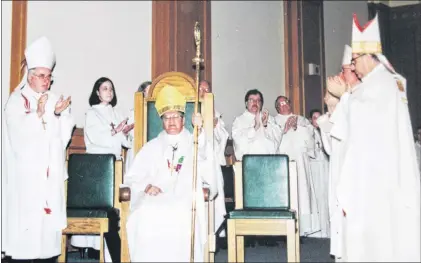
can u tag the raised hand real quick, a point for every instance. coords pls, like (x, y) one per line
(62, 104)
(197, 120)
(291, 123)
(127, 129)
(337, 86)
(41, 105)
(265, 117)
(120, 127)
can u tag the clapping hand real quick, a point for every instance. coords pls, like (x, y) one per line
(291, 123)
(265, 117)
(337, 86)
(127, 129)
(41, 105)
(120, 127)
(62, 104)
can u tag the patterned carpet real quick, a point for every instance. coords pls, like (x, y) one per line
(312, 250)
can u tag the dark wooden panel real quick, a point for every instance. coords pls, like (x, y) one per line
(293, 55)
(313, 52)
(173, 46)
(400, 29)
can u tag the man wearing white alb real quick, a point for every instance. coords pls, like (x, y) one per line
(255, 131)
(298, 144)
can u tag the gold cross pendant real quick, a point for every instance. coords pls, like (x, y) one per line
(43, 123)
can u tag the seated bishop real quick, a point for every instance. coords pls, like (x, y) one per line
(161, 183)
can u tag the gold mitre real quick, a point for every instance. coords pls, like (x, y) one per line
(366, 39)
(170, 99)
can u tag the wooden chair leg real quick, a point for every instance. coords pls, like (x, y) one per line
(101, 247)
(232, 241)
(291, 241)
(240, 248)
(62, 257)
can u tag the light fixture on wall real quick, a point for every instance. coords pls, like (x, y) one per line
(313, 69)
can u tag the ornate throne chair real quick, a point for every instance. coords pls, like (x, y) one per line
(148, 125)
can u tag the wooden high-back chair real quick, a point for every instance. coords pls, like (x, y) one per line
(92, 198)
(266, 203)
(148, 125)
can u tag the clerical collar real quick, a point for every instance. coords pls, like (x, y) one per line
(29, 91)
(174, 138)
(101, 106)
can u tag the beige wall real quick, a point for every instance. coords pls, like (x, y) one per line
(91, 40)
(247, 53)
(6, 35)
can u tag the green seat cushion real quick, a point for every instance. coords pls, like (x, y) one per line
(154, 126)
(261, 214)
(266, 181)
(91, 181)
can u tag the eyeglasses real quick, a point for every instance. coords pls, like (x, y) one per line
(43, 77)
(258, 101)
(283, 103)
(355, 59)
(171, 117)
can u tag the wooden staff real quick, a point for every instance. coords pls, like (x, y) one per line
(197, 60)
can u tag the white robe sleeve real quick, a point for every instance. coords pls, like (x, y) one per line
(220, 142)
(325, 127)
(140, 173)
(242, 137)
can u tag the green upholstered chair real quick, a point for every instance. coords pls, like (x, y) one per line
(266, 203)
(92, 200)
(148, 125)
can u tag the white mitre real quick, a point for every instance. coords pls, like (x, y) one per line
(366, 39)
(39, 54)
(347, 56)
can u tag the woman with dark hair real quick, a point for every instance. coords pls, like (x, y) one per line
(105, 131)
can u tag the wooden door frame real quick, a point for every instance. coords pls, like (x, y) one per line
(294, 63)
(18, 42)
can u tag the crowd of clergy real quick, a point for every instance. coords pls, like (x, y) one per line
(357, 162)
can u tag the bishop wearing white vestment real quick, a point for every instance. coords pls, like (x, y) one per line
(255, 131)
(333, 129)
(160, 179)
(38, 127)
(379, 188)
(298, 144)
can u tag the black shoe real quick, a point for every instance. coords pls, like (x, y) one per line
(93, 253)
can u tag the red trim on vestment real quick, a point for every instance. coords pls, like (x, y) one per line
(26, 104)
(357, 23)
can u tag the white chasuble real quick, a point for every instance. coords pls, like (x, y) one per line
(34, 210)
(379, 186)
(159, 227)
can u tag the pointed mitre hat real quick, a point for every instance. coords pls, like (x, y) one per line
(366, 39)
(347, 56)
(40, 54)
(170, 99)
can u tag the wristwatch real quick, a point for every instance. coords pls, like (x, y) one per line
(58, 115)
